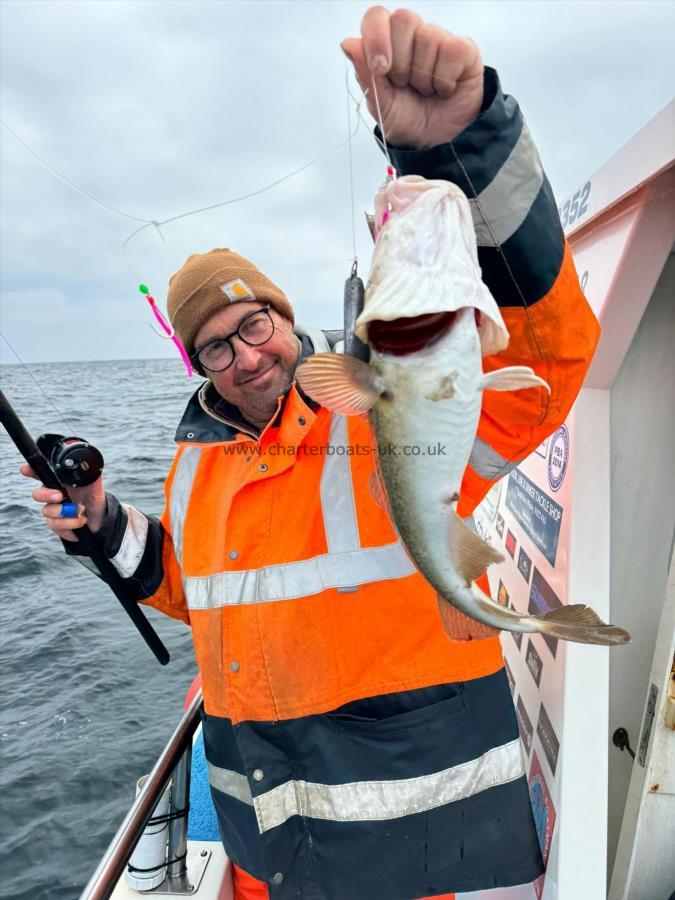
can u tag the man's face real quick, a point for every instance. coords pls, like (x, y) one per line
(258, 375)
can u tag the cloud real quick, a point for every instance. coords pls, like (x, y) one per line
(162, 108)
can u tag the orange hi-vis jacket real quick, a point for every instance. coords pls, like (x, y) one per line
(343, 729)
(285, 563)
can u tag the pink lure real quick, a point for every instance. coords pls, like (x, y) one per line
(168, 330)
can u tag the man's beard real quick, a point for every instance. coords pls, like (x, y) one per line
(266, 400)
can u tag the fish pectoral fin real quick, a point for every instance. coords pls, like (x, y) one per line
(470, 554)
(341, 383)
(460, 627)
(513, 378)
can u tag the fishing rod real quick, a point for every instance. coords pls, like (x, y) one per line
(79, 464)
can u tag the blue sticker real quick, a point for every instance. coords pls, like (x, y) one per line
(538, 514)
(524, 565)
(542, 600)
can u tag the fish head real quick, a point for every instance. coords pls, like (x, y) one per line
(425, 269)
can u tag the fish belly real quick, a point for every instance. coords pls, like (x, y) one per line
(425, 427)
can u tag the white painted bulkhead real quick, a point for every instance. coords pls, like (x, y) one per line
(642, 439)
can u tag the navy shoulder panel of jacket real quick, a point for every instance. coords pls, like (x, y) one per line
(495, 162)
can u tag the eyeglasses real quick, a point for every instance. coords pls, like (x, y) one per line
(254, 329)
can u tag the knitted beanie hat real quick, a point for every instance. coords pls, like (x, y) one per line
(207, 282)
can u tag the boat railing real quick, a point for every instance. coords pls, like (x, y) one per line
(173, 765)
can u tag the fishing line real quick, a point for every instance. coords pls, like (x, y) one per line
(147, 223)
(70, 183)
(351, 163)
(379, 116)
(154, 223)
(358, 103)
(254, 193)
(71, 430)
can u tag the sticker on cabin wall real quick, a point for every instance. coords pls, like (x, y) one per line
(543, 812)
(502, 594)
(524, 725)
(557, 458)
(500, 525)
(510, 543)
(524, 565)
(537, 513)
(542, 600)
(533, 662)
(548, 737)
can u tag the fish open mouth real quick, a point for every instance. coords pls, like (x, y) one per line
(401, 337)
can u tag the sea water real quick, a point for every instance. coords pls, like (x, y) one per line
(85, 709)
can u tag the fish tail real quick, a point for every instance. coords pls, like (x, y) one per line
(581, 624)
(576, 622)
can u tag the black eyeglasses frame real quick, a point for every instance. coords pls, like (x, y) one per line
(199, 365)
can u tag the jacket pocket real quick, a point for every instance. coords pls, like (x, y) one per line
(392, 713)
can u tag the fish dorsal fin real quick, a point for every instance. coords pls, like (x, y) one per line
(470, 554)
(514, 378)
(341, 383)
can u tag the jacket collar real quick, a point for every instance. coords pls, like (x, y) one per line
(209, 419)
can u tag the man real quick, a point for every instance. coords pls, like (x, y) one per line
(355, 753)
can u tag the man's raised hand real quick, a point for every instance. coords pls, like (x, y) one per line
(429, 81)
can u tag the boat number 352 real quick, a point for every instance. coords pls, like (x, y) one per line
(575, 207)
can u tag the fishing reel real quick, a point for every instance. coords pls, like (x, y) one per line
(76, 462)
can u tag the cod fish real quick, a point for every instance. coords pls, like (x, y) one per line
(428, 320)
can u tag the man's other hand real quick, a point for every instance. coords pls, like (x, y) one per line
(91, 506)
(429, 81)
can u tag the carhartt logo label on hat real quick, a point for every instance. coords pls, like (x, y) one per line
(237, 290)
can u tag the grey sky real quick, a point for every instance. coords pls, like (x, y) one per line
(162, 107)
